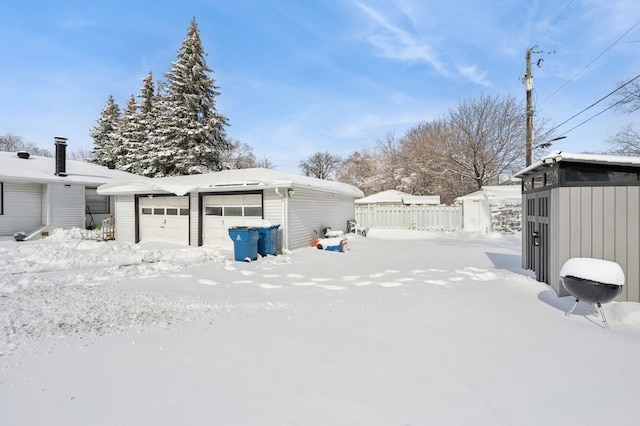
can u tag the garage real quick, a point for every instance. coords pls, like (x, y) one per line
(223, 211)
(164, 218)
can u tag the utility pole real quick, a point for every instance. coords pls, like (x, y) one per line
(528, 85)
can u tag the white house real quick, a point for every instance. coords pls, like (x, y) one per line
(476, 207)
(39, 194)
(199, 209)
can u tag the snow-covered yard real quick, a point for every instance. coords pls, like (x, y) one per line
(407, 328)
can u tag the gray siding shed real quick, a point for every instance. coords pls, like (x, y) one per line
(580, 205)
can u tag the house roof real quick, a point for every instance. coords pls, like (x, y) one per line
(495, 192)
(393, 196)
(558, 156)
(42, 169)
(226, 180)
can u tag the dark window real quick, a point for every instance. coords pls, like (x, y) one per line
(146, 210)
(96, 203)
(538, 181)
(172, 212)
(158, 212)
(212, 211)
(233, 211)
(551, 177)
(184, 212)
(253, 211)
(528, 183)
(580, 174)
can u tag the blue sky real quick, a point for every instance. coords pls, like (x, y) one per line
(299, 77)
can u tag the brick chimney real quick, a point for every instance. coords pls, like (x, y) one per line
(61, 155)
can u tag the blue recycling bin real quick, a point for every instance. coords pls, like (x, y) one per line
(268, 241)
(245, 242)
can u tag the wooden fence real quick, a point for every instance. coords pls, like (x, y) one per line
(420, 218)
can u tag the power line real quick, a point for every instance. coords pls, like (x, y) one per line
(555, 21)
(591, 63)
(594, 116)
(597, 102)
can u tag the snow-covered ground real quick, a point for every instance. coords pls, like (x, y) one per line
(406, 328)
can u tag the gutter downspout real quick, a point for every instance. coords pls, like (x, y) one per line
(285, 218)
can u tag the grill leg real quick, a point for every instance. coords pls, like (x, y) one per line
(571, 310)
(604, 319)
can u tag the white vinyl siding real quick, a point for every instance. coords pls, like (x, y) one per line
(194, 231)
(313, 210)
(126, 218)
(22, 207)
(67, 209)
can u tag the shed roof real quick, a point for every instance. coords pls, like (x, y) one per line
(42, 169)
(558, 156)
(227, 180)
(392, 196)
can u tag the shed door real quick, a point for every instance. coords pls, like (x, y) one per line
(221, 212)
(537, 234)
(164, 219)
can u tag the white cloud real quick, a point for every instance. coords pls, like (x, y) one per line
(396, 43)
(472, 74)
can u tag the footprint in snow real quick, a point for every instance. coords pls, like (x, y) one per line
(390, 284)
(404, 280)
(246, 273)
(270, 276)
(332, 287)
(363, 283)
(436, 270)
(181, 276)
(453, 279)
(295, 276)
(376, 275)
(320, 280)
(304, 283)
(243, 282)
(264, 285)
(350, 278)
(436, 282)
(207, 282)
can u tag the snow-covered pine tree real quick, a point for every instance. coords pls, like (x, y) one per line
(143, 156)
(129, 139)
(191, 128)
(103, 135)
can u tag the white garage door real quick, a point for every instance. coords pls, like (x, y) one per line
(164, 219)
(222, 212)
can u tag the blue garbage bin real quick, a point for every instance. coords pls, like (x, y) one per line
(245, 242)
(268, 241)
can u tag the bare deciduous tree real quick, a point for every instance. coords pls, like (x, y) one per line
(625, 142)
(360, 169)
(239, 156)
(487, 140)
(627, 99)
(320, 165)
(14, 143)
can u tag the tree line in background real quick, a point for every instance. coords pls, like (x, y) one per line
(478, 143)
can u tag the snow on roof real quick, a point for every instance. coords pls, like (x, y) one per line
(42, 169)
(242, 179)
(557, 156)
(392, 196)
(495, 192)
